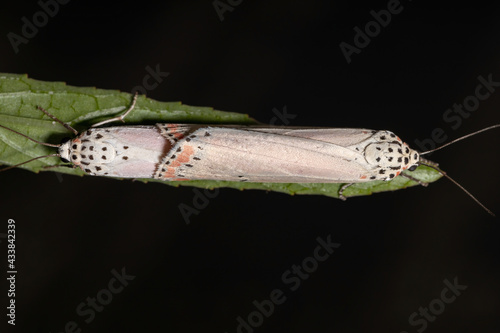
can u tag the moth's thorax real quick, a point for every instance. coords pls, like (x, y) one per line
(389, 155)
(90, 151)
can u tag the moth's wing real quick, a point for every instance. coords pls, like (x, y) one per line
(176, 132)
(245, 154)
(344, 137)
(143, 137)
(137, 151)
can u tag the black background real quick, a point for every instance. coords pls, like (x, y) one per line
(396, 248)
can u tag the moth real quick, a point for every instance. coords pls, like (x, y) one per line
(178, 152)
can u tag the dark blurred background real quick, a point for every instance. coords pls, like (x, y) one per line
(396, 248)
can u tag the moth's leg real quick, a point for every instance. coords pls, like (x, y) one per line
(342, 189)
(120, 118)
(424, 184)
(69, 165)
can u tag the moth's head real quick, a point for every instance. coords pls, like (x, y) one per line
(64, 151)
(413, 158)
(67, 152)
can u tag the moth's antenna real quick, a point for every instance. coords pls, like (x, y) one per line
(461, 138)
(58, 120)
(451, 179)
(27, 137)
(36, 158)
(36, 141)
(460, 186)
(68, 127)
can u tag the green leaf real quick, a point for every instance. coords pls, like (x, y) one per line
(81, 107)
